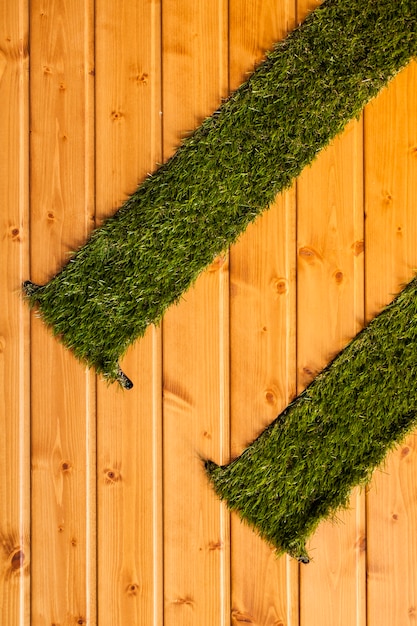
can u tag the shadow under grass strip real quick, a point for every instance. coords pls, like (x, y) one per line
(302, 468)
(223, 176)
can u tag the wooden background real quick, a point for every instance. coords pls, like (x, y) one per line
(106, 515)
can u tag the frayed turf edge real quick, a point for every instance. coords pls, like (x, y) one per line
(296, 549)
(31, 292)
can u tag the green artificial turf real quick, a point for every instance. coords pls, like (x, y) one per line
(223, 176)
(302, 468)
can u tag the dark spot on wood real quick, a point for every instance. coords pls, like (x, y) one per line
(405, 451)
(215, 545)
(51, 215)
(270, 396)
(132, 589)
(66, 466)
(241, 618)
(207, 435)
(74, 542)
(358, 247)
(394, 516)
(281, 286)
(17, 560)
(338, 277)
(112, 476)
(307, 370)
(142, 79)
(116, 116)
(361, 543)
(387, 199)
(309, 254)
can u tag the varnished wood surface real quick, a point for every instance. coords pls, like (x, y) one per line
(107, 517)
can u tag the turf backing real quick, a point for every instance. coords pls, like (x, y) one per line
(302, 468)
(223, 176)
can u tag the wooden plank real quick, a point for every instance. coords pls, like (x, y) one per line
(330, 310)
(391, 260)
(263, 286)
(128, 145)
(63, 414)
(14, 317)
(195, 346)
(262, 322)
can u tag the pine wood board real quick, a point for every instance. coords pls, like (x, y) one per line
(195, 344)
(391, 260)
(330, 311)
(63, 572)
(14, 320)
(262, 339)
(129, 426)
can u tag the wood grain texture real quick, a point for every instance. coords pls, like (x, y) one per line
(129, 472)
(262, 338)
(264, 588)
(14, 319)
(330, 311)
(124, 526)
(391, 260)
(62, 399)
(195, 346)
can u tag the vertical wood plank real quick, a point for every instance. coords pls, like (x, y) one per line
(330, 310)
(264, 588)
(14, 318)
(262, 310)
(63, 414)
(195, 345)
(128, 145)
(391, 260)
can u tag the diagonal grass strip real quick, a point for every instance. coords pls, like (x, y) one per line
(223, 176)
(302, 468)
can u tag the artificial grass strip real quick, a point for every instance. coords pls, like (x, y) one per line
(223, 176)
(302, 468)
